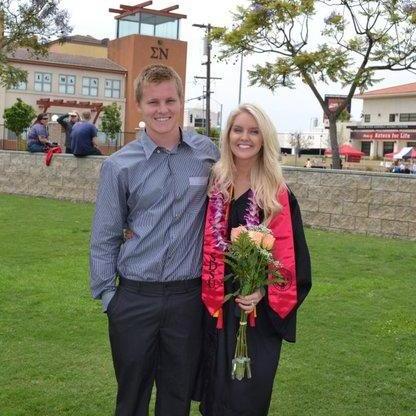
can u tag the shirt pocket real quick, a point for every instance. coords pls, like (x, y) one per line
(197, 193)
(198, 181)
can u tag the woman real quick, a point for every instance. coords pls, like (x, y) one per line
(248, 179)
(37, 139)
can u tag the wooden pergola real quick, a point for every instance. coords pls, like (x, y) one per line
(126, 10)
(46, 103)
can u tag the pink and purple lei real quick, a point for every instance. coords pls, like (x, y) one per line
(218, 224)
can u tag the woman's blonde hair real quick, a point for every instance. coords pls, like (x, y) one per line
(266, 175)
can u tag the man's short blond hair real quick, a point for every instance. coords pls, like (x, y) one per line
(86, 115)
(155, 74)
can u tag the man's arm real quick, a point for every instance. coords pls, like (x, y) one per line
(41, 133)
(94, 132)
(61, 120)
(107, 231)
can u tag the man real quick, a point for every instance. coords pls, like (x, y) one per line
(67, 126)
(156, 187)
(84, 137)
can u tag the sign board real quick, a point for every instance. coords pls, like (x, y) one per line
(333, 102)
(383, 135)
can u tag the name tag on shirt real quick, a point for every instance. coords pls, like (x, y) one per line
(198, 180)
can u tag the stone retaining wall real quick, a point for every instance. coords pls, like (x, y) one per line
(358, 202)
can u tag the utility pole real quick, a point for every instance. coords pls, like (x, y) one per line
(241, 79)
(208, 91)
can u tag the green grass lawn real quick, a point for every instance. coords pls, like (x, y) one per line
(356, 349)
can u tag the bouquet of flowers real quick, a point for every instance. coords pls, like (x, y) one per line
(250, 259)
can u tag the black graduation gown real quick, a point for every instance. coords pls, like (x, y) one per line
(220, 395)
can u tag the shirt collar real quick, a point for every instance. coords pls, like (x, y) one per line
(187, 137)
(149, 146)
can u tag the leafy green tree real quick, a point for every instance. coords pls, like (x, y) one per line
(357, 40)
(18, 117)
(28, 24)
(299, 142)
(214, 132)
(344, 116)
(111, 121)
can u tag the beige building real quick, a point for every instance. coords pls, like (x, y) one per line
(59, 82)
(87, 73)
(388, 121)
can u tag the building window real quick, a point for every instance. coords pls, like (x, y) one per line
(112, 88)
(67, 84)
(392, 118)
(20, 86)
(199, 122)
(411, 144)
(388, 147)
(367, 118)
(365, 148)
(43, 81)
(90, 86)
(407, 117)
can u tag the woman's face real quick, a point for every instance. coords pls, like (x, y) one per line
(245, 137)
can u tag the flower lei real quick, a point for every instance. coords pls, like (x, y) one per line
(217, 199)
(251, 217)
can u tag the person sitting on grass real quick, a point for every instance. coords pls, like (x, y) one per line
(84, 137)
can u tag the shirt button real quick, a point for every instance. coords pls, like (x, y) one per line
(157, 151)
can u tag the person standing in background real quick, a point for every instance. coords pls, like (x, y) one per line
(67, 121)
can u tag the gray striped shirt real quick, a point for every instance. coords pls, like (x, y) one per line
(161, 196)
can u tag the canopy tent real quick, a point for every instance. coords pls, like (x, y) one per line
(351, 154)
(405, 153)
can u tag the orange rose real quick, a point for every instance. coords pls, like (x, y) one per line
(256, 237)
(268, 241)
(235, 232)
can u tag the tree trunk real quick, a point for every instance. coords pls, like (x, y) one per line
(336, 161)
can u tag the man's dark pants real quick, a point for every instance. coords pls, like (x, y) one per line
(93, 152)
(155, 335)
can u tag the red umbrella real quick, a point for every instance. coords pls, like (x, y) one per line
(346, 150)
(351, 154)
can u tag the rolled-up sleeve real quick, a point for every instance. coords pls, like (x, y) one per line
(107, 231)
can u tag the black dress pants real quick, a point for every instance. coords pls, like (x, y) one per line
(155, 334)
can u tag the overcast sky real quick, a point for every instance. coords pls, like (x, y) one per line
(291, 110)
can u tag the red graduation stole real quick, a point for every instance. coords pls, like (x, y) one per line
(283, 296)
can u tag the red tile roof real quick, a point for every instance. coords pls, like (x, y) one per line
(404, 89)
(63, 59)
(82, 39)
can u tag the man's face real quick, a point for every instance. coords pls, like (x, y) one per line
(161, 108)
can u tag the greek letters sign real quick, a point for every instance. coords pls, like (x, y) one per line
(383, 135)
(159, 53)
